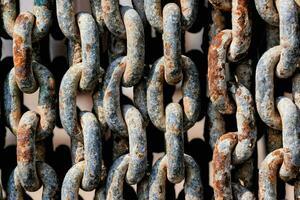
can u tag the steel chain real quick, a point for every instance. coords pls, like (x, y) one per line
(112, 144)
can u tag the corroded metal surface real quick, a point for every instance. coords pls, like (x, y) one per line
(146, 97)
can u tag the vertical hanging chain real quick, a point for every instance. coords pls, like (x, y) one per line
(114, 135)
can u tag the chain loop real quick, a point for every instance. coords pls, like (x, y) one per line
(46, 103)
(192, 184)
(190, 90)
(133, 164)
(41, 13)
(153, 11)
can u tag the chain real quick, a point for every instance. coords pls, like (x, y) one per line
(147, 97)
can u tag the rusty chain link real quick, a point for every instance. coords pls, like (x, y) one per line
(147, 96)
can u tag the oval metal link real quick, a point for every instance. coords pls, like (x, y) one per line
(90, 52)
(134, 164)
(112, 18)
(289, 38)
(66, 19)
(290, 136)
(172, 44)
(217, 83)
(72, 181)
(42, 12)
(22, 52)
(92, 151)
(246, 124)
(268, 11)
(46, 103)
(26, 159)
(241, 30)
(67, 101)
(268, 174)
(174, 143)
(111, 101)
(190, 89)
(135, 47)
(153, 11)
(48, 178)
(264, 88)
(192, 185)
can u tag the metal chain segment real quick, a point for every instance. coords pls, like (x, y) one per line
(236, 147)
(287, 19)
(86, 173)
(190, 91)
(192, 184)
(84, 42)
(42, 14)
(173, 120)
(133, 164)
(233, 158)
(29, 128)
(154, 14)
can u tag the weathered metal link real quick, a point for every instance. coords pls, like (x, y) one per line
(217, 83)
(246, 124)
(134, 164)
(84, 38)
(264, 88)
(137, 144)
(221, 166)
(135, 47)
(66, 19)
(112, 18)
(86, 173)
(92, 151)
(29, 172)
(98, 97)
(192, 185)
(289, 38)
(172, 44)
(287, 19)
(42, 14)
(90, 52)
(241, 30)
(268, 11)
(22, 52)
(71, 184)
(97, 13)
(190, 90)
(174, 143)
(268, 174)
(111, 101)
(46, 103)
(154, 14)
(290, 135)
(67, 101)
(235, 147)
(48, 178)
(26, 151)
